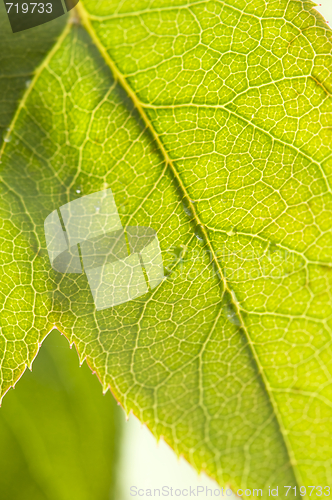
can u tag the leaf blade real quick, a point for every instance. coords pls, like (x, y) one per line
(153, 378)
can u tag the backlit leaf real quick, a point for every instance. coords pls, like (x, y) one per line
(211, 123)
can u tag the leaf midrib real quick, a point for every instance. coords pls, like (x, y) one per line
(118, 76)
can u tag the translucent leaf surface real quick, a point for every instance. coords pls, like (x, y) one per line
(211, 124)
(20, 55)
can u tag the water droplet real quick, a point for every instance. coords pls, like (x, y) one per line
(231, 314)
(6, 135)
(78, 191)
(187, 210)
(199, 233)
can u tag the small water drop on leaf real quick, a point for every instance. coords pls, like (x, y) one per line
(187, 209)
(7, 137)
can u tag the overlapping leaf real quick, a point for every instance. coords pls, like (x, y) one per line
(59, 438)
(211, 123)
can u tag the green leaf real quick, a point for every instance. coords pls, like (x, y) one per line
(59, 437)
(211, 123)
(20, 55)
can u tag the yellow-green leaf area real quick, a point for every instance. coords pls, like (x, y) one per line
(211, 123)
